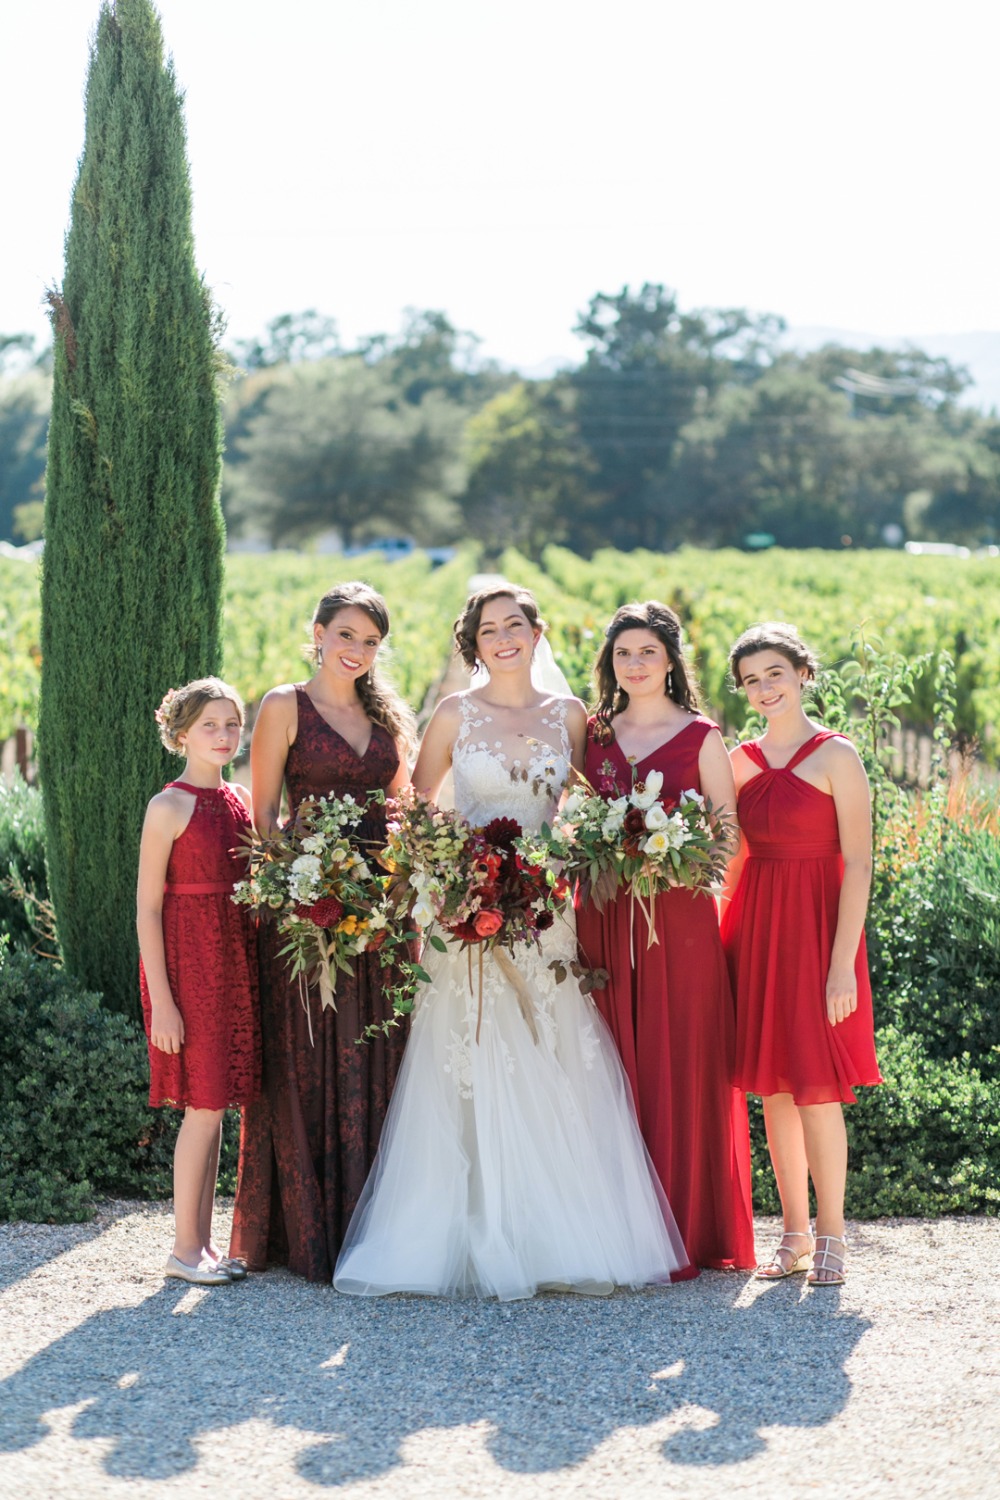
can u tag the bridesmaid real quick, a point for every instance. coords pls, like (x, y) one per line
(669, 1006)
(306, 1148)
(794, 937)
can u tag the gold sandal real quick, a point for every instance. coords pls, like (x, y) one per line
(828, 1261)
(777, 1270)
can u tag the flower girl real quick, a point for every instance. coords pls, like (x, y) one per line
(197, 967)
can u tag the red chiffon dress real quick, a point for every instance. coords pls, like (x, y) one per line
(778, 934)
(307, 1146)
(670, 1010)
(210, 950)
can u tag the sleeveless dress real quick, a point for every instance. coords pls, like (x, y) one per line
(670, 1010)
(211, 962)
(778, 934)
(306, 1147)
(508, 1166)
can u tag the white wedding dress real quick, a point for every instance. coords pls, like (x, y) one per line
(508, 1165)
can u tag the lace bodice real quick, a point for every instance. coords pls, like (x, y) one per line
(518, 777)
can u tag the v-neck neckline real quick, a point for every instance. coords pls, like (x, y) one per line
(656, 750)
(359, 755)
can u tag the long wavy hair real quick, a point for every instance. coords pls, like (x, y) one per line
(379, 699)
(681, 685)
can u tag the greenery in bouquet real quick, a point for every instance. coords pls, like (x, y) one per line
(321, 885)
(638, 841)
(487, 889)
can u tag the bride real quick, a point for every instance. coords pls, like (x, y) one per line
(508, 1165)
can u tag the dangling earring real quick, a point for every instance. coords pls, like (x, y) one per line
(670, 683)
(319, 656)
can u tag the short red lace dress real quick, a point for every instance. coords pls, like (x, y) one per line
(778, 933)
(210, 949)
(670, 1010)
(306, 1148)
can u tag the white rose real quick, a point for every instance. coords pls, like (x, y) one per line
(572, 805)
(648, 791)
(312, 845)
(656, 817)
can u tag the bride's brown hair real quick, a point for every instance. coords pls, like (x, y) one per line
(466, 627)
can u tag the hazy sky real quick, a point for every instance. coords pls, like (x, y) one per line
(836, 164)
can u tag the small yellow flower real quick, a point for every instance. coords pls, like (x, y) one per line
(349, 925)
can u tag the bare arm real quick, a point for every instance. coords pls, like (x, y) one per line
(402, 773)
(852, 799)
(164, 821)
(273, 733)
(741, 770)
(434, 760)
(576, 727)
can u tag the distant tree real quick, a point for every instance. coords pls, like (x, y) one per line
(334, 447)
(132, 576)
(288, 339)
(527, 470)
(430, 354)
(24, 421)
(648, 367)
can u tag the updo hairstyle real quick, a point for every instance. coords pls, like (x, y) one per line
(182, 707)
(773, 635)
(379, 699)
(466, 627)
(681, 685)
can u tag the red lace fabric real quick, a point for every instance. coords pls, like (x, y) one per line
(211, 959)
(307, 1146)
(671, 1015)
(778, 933)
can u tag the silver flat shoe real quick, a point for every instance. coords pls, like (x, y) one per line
(234, 1268)
(203, 1274)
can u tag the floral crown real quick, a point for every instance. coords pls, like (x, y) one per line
(162, 714)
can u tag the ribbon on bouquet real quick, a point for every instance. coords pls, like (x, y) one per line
(326, 990)
(515, 979)
(646, 907)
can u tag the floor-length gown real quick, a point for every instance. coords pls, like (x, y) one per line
(670, 1010)
(307, 1146)
(509, 1165)
(778, 933)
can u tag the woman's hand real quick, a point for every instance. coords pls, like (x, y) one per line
(841, 993)
(166, 1026)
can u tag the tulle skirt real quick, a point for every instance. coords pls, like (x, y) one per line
(512, 1163)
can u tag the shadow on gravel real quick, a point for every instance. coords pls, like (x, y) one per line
(21, 1251)
(553, 1378)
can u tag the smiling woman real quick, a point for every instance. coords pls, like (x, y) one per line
(668, 1001)
(307, 1146)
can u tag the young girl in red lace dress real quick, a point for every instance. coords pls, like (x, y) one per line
(197, 967)
(794, 937)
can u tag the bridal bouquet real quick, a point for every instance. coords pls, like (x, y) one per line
(326, 897)
(487, 889)
(639, 842)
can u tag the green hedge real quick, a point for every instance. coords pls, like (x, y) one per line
(74, 1122)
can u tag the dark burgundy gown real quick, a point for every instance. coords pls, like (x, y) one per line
(670, 1010)
(307, 1146)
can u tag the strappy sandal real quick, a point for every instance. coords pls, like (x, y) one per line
(777, 1270)
(828, 1261)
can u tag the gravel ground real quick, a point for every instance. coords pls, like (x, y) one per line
(115, 1382)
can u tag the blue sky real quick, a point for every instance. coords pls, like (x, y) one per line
(503, 162)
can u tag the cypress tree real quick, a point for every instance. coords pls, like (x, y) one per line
(134, 539)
